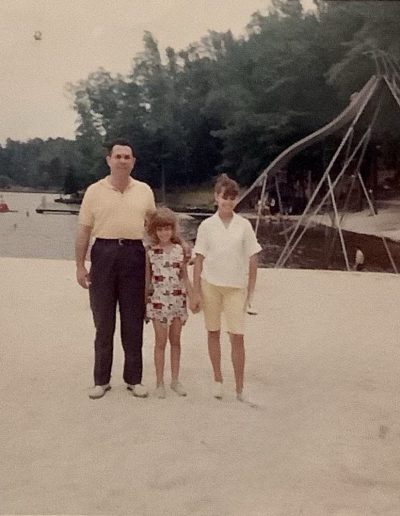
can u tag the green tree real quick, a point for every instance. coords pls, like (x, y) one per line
(71, 183)
(5, 181)
(233, 104)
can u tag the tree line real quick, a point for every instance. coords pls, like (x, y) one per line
(221, 104)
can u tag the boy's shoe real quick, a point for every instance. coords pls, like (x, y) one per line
(243, 398)
(160, 391)
(178, 388)
(98, 391)
(218, 390)
(138, 390)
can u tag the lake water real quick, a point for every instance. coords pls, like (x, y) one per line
(28, 234)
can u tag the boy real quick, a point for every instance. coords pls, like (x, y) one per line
(224, 279)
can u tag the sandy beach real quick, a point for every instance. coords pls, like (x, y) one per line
(322, 366)
(384, 224)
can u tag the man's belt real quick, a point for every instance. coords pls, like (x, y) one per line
(118, 241)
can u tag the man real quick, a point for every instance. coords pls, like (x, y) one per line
(114, 211)
(224, 279)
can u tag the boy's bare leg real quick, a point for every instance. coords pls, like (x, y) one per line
(175, 342)
(161, 337)
(238, 359)
(214, 352)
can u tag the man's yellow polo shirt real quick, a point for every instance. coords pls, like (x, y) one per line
(115, 214)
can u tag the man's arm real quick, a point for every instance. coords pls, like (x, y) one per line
(81, 247)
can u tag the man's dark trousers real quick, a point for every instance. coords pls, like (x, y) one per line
(117, 275)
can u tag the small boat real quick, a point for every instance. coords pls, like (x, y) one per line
(4, 206)
(74, 198)
(53, 208)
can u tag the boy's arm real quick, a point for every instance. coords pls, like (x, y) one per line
(253, 264)
(198, 267)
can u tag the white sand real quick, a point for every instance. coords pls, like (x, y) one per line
(323, 364)
(386, 223)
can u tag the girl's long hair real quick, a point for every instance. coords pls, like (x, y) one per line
(161, 218)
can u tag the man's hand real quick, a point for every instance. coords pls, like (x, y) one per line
(81, 247)
(82, 276)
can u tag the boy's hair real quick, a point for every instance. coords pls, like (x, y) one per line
(226, 184)
(118, 141)
(162, 218)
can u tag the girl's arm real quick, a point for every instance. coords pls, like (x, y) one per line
(147, 287)
(194, 306)
(187, 250)
(186, 280)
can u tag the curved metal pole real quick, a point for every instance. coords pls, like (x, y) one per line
(324, 176)
(361, 157)
(261, 204)
(392, 91)
(337, 221)
(374, 214)
(365, 138)
(346, 202)
(283, 259)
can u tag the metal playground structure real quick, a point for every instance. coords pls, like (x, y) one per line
(344, 164)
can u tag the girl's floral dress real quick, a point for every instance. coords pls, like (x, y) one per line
(168, 298)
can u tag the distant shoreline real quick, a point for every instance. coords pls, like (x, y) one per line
(26, 189)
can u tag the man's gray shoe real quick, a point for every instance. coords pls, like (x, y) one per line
(98, 391)
(138, 390)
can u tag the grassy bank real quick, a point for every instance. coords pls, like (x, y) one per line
(199, 196)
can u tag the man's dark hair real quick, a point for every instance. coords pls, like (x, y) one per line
(118, 141)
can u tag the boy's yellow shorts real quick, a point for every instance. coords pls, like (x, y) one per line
(227, 300)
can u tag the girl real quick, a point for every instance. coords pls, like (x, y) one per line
(167, 285)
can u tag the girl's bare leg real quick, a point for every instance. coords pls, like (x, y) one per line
(161, 337)
(175, 330)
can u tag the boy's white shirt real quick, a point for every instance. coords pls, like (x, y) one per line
(226, 250)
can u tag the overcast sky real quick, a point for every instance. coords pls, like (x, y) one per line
(78, 37)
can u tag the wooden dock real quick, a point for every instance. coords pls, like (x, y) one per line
(56, 209)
